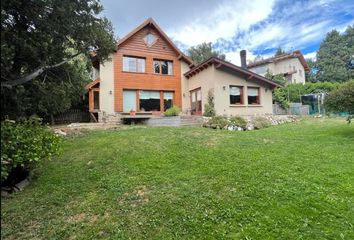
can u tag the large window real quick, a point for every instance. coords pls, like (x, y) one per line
(236, 95)
(149, 101)
(167, 100)
(253, 95)
(163, 67)
(133, 64)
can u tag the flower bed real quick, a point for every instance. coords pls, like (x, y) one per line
(248, 123)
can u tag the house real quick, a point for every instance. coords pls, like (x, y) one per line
(292, 65)
(148, 74)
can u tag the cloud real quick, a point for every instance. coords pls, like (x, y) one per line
(229, 18)
(311, 55)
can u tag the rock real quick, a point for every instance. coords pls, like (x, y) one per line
(59, 132)
(239, 129)
(230, 128)
(4, 193)
(21, 185)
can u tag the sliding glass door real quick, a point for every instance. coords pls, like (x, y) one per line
(129, 100)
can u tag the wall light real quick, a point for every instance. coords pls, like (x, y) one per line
(224, 88)
(110, 92)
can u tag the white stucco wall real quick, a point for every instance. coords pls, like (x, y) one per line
(203, 80)
(284, 66)
(184, 88)
(107, 87)
(223, 80)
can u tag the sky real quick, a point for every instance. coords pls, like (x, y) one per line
(258, 26)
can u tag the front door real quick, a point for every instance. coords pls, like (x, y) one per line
(129, 101)
(196, 101)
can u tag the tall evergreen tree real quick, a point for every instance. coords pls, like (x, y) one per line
(279, 51)
(334, 57)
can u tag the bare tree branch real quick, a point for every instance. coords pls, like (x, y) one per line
(34, 74)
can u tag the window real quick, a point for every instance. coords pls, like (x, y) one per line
(163, 67)
(253, 95)
(149, 101)
(259, 70)
(133, 64)
(96, 100)
(236, 95)
(150, 39)
(167, 100)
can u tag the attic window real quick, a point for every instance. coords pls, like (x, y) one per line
(150, 39)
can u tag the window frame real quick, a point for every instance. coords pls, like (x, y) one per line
(258, 96)
(136, 63)
(160, 66)
(242, 102)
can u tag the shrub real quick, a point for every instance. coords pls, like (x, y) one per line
(25, 143)
(341, 99)
(173, 111)
(238, 121)
(218, 122)
(209, 110)
(261, 122)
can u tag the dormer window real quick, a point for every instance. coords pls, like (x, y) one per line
(150, 39)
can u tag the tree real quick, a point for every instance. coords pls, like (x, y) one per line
(335, 55)
(209, 110)
(311, 75)
(341, 99)
(293, 92)
(278, 78)
(45, 53)
(35, 36)
(279, 51)
(202, 52)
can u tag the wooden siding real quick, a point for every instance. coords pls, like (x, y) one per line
(135, 46)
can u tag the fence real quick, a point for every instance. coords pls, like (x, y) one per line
(294, 109)
(69, 116)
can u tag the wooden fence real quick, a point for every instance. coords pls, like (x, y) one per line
(69, 116)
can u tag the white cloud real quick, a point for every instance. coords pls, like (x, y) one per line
(310, 55)
(234, 56)
(227, 19)
(261, 26)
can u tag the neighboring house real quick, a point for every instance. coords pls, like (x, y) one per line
(292, 65)
(148, 74)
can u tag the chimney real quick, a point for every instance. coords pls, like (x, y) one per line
(243, 59)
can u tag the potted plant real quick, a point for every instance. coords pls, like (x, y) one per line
(132, 112)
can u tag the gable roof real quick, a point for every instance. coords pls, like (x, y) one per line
(221, 64)
(92, 84)
(151, 22)
(294, 54)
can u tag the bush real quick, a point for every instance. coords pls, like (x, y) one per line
(261, 122)
(209, 110)
(293, 92)
(238, 121)
(341, 100)
(25, 143)
(173, 111)
(218, 122)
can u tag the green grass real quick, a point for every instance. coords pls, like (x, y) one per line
(294, 181)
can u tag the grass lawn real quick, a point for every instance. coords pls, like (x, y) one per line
(294, 181)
